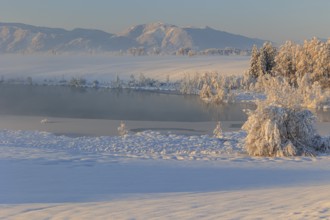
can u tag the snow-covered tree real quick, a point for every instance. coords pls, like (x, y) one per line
(254, 69)
(262, 62)
(321, 71)
(266, 59)
(286, 61)
(122, 131)
(217, 132)
(206, 93)
(292, 61)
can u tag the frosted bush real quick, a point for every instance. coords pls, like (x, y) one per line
(279, 131)
(190, 84)
(211, 87)
(322, 144)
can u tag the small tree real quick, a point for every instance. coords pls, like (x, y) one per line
(217, 132)
(122, 131)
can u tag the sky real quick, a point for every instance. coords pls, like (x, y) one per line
(274, 20)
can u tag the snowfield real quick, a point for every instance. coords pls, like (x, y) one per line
(284, 203)
(105, 68)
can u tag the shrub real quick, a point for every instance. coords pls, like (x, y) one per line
(280, 131)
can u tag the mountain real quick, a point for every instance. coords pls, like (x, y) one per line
(167, 38)
(21, 38)
(158, 35)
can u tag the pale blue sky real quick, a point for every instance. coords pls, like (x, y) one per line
(275, 20)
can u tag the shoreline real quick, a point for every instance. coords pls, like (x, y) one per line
(77, 127)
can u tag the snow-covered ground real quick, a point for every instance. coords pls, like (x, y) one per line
(106, 68)
(183, 174)
(150, 175)
(153, 175)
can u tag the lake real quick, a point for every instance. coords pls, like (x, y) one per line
(114, 104)
(88, 111)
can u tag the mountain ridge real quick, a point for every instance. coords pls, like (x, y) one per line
(160, 37)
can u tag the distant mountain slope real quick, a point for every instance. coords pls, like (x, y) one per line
(22, 38)
(204, 38)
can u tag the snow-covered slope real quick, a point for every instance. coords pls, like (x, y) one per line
(204, 38)
(22, 38)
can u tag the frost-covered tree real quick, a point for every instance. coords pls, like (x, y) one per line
(266, 59)
(314, 58)
(217, 132)
(211, 87)
(206, 93)
(321, 71)
(192, 84)
(306, 94)
(254, 69)
(292, 61)
(262, 62)
(217, 88)
(285, 61)
(122, 131)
